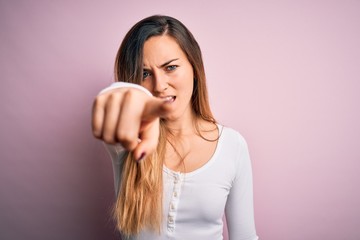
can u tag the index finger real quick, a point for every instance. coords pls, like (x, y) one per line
(155, 108)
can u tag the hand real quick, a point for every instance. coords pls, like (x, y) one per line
(130, 117)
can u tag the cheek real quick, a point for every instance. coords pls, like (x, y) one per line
(186, 79)
(189, 82)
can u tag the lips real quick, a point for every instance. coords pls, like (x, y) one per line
(169, 99)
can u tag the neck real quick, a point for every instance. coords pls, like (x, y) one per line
(183, 126)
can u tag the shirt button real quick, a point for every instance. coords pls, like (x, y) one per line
(171, 220)
(175, 194)
(172, 207)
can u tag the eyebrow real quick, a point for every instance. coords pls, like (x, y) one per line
(168, 62)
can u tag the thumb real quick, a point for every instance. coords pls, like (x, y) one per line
(150, 124)
(149, 139)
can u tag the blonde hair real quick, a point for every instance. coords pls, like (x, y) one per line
(139, 202)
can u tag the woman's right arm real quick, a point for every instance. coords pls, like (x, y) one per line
(127, 114)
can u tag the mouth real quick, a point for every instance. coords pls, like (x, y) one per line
(169, 99)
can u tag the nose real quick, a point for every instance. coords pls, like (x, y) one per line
(161, 83)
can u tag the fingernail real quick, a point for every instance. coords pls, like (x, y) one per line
(142, 156)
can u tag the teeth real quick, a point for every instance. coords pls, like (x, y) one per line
(168, 98)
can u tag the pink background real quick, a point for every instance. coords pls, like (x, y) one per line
(285, 74)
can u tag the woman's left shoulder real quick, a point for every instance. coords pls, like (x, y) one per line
(234, 149)
(232, 135)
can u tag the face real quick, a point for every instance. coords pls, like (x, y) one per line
(168, 73)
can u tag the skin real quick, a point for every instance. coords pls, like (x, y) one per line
(123, 115)
(168, 73)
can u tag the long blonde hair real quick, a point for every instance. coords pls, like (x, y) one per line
(139, 202)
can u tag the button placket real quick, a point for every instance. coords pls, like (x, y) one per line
(178, 178)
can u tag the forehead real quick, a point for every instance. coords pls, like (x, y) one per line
(158, 49)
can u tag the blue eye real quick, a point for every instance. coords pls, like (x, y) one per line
(146, 74)
(171, 67)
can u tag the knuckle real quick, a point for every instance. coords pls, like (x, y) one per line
(96, 127)
(126, 139)
(115, 96)
(123, 136)
(96, 106)
(99, 100)
(129, 94)
(130, 146)
(108, 138)
(112, 99)
(96, 132)
(134, 94)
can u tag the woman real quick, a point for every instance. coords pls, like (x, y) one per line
(176, 170)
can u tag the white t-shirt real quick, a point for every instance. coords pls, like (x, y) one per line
(194, 203)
